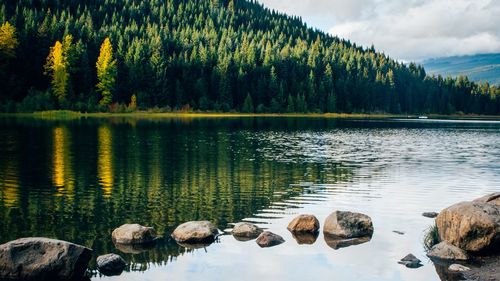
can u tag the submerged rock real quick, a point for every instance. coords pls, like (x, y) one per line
(246, 230)
(135, 248)
(305, 238)
(336, 242)
(195, 232)
(38, 258)
(348, 225)
(446, 251)
(472, 226)
(111, 264)
(430, 214)
(269, 239)
(411, 261)
(133, 234)
(304, 223)
(458, 268)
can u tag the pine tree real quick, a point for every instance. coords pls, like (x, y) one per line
(248, 105)
(106, 72)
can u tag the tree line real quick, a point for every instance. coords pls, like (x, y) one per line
(217, 55)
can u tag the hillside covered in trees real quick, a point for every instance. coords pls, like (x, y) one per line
(217, 55)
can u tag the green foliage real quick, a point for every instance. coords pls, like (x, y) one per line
(210, 55)
(431, 237)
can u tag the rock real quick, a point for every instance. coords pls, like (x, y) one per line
(446, 251)
(304, 223)
(134, 248)
(37, 258)
(246, 230)
(430, 214)
(336, 242)
(111, 264)
(133, 234)
(306, 238)
(493, 198)
(269, 239)
(458, 268)
(411, 261)
(348, 225)
(471, 226)
(195, 232)
(398, 232)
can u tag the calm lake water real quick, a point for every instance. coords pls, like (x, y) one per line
(78, 180)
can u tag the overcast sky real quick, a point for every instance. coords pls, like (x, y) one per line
(405, 29)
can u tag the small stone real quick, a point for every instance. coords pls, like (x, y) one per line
(446, 251)
(398, 232)
(304, 223)
(111, 264)
(411, 261)
(133, 234)
(348, 225)
(269, 239)
(458, 268)
(430, 214)
(246, 230)
(195, 232)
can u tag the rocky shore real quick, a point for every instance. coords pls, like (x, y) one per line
(468, 248)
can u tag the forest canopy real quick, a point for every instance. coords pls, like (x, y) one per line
(217, 55)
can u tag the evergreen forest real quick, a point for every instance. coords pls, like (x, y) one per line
(206, 55)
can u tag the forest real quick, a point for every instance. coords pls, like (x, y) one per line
(201, 55)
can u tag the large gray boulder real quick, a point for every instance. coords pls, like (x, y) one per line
(304, 223)
(348, 225)
(269, 239)
(472, 226)
(246, 230)
(133, 234)
(446, 251)
(38, 258)
(194, 232)
(111, 264)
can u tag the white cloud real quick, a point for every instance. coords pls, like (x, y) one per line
(406, 30)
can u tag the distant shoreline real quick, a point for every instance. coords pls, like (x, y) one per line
(65, 114)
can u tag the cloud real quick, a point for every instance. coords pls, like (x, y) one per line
(406, 30)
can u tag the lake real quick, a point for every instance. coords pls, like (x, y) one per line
(79, 179)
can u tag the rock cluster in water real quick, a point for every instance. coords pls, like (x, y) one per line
(466, 230)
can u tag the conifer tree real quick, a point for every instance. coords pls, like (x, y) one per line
(106, 72)
(57, 68)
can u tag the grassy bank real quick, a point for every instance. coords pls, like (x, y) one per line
(66, 114)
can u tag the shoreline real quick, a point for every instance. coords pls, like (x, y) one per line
(65, 114)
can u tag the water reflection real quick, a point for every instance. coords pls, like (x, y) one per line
(62, 171)
(164, 172)
(105, 160)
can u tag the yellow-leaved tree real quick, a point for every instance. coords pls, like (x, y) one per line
(57, 68)
(8, 41)
(106, 72)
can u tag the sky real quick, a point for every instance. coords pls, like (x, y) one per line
(407, 30)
